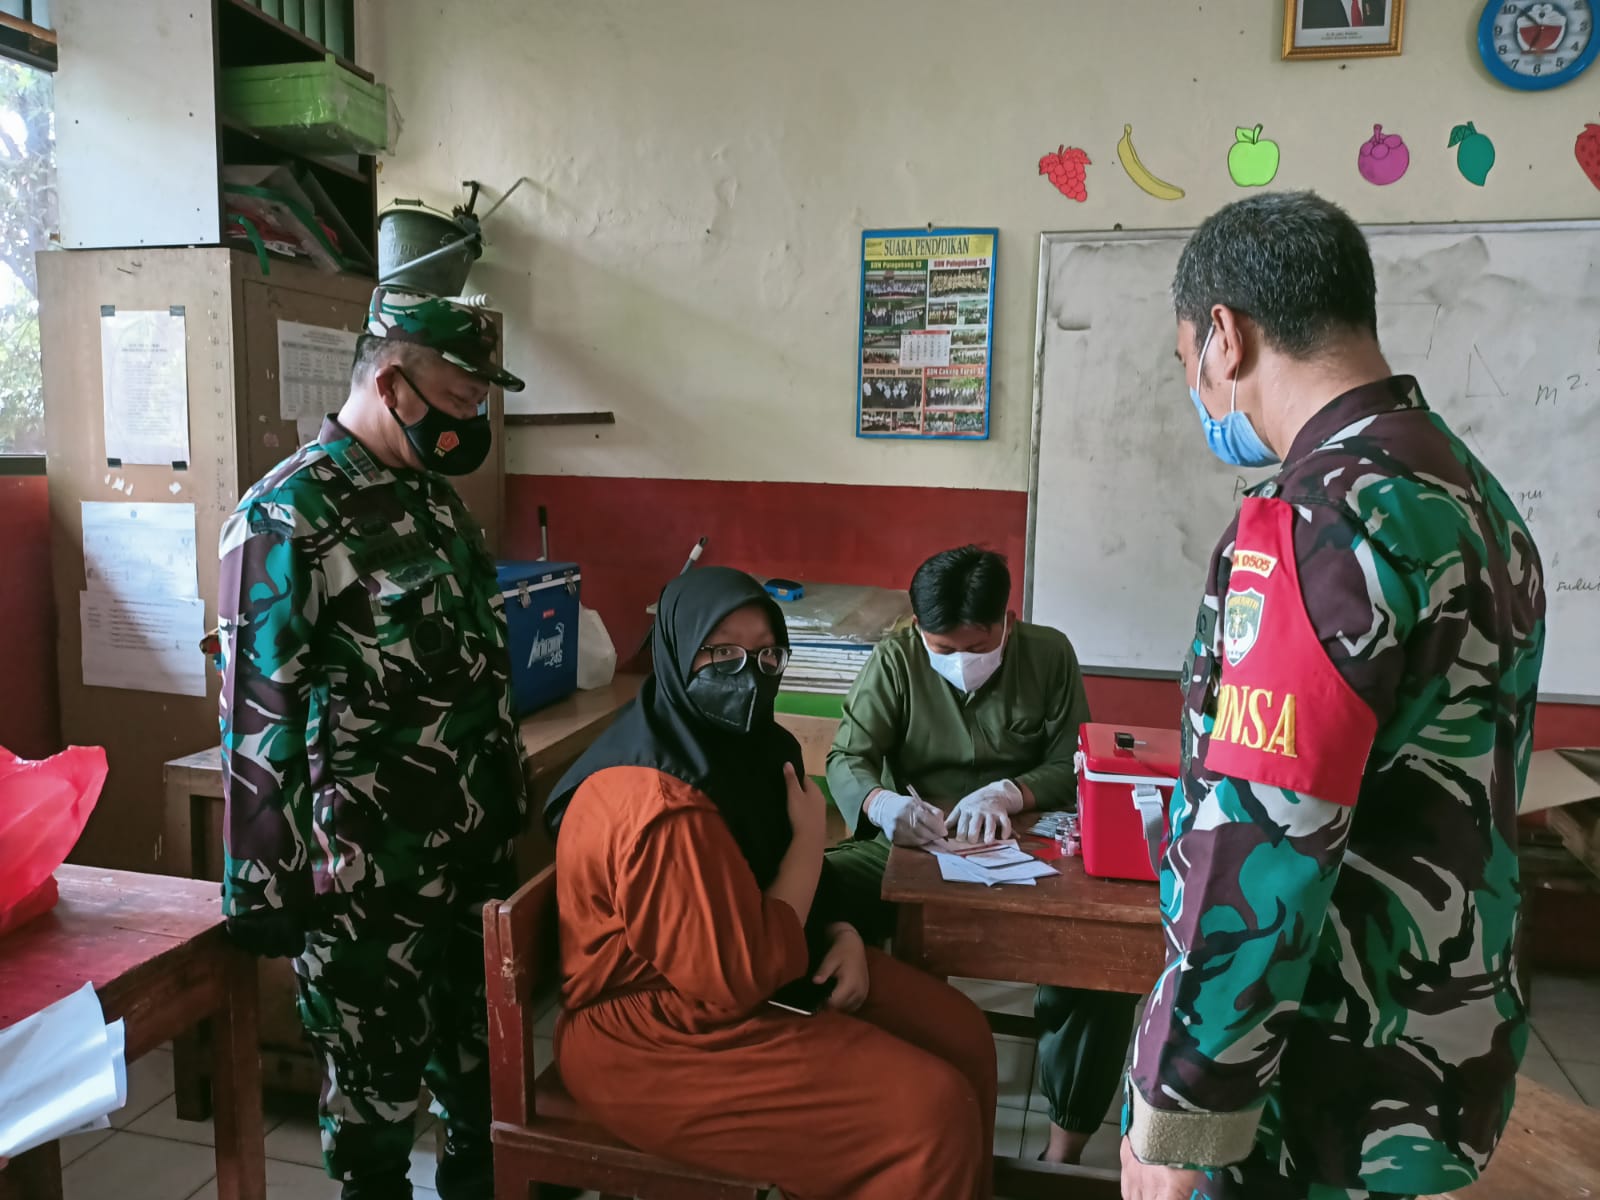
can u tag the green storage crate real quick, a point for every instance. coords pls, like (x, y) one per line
(318, 107)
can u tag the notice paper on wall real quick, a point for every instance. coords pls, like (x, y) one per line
(144, 374)
(141, 613)
(143, 550)
(313, 371)
(143, 644)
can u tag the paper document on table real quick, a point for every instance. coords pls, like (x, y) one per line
(140, 550)
(144, 376)
(963, 849)
(65, 1072)
(954, 869)
(1006, 864)
(987, 854)
(145, 645)
(1006, 856)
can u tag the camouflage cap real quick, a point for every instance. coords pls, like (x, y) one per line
(461, 334)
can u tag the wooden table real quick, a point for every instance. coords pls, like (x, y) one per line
(153, 947)
(1069, 930)
(553, 738)
(192, 846)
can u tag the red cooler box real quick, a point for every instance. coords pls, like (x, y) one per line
(1114, 781)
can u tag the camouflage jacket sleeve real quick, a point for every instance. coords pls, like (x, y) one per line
(869, 731)
(269, 600)
(1054, 782)
(1284, 701)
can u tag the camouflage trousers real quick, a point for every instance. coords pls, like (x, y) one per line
(391, 996)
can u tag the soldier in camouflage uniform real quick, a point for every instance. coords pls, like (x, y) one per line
(1339, 1015)
(372, 770)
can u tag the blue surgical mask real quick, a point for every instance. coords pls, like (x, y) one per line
(1233, 439)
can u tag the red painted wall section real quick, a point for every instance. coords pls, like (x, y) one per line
(30, 722)
(1156, 703)
(631, 535)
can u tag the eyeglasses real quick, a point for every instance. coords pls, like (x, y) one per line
(730, 660)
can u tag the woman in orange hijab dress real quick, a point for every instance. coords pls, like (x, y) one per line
(692, 888)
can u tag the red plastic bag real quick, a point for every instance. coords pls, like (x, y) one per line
(44, 806)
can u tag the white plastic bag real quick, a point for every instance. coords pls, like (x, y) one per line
(597, 657)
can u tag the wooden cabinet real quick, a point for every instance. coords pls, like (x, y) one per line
(141, 138)
(236, 433)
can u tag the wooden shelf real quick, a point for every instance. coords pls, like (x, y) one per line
(283, 149)
(248, 37)
(560, 418)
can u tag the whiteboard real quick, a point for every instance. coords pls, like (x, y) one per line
(1500, 325)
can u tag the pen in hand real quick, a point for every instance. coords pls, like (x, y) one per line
(916, 813)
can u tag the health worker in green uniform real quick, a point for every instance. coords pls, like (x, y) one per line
(371, 767)
(956, 726)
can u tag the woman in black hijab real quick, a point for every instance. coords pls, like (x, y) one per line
(691, 889)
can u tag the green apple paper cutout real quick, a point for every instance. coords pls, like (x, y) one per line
(1474, 153)
(1252, 161)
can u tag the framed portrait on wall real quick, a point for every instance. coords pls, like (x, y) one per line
(1342, 28)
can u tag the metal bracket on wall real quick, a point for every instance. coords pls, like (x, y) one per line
(560, 418)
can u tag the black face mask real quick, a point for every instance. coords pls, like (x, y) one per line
(446, 444)
(738, 703)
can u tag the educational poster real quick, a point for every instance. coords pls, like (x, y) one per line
(924, 361)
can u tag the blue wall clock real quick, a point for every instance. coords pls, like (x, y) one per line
(1535, 46)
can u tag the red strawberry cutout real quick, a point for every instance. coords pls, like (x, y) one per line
(1587, 150)
(1065, 166)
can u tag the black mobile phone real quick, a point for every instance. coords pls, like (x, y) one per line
(802, 996)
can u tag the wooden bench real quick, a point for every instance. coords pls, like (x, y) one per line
(540, 1134)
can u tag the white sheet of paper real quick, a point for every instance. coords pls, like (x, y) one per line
(147, 644)
(65, 1071)
(140, 550)
(1554, 782)
(1021, 872)
(955, 869)
(313, 370)
(144, 373)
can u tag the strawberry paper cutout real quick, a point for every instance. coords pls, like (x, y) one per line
(1587, 151)
(1065, 167)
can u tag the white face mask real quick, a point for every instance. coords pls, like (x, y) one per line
(966, 670)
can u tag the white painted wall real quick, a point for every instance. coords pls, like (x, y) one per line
(704, 168)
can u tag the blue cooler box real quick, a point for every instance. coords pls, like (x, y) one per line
(541, 601)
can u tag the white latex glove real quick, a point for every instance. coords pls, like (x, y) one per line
(985, 815)
(907, 820)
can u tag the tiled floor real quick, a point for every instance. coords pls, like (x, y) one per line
(151, 1155)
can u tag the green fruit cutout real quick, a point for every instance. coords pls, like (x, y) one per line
(1474, 153)
(1252, 159)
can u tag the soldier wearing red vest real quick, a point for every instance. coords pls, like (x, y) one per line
(1339, 1016)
